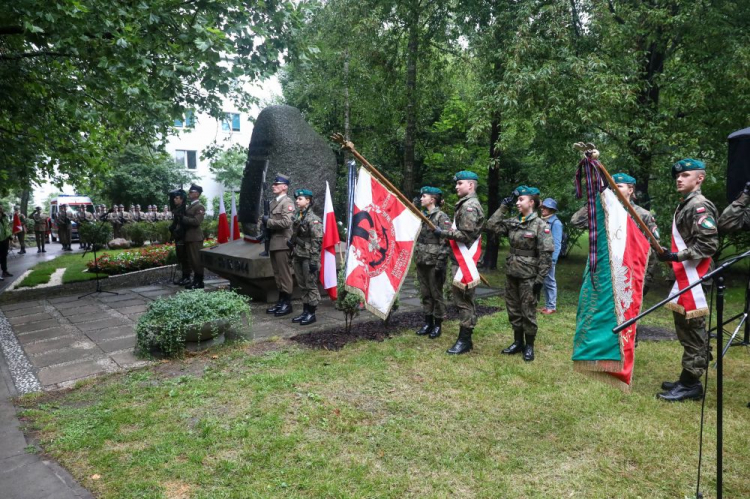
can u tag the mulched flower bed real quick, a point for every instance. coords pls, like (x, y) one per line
(374, 330)
(135, 259)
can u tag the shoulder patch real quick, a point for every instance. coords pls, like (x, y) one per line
(700, 209)
(546, 230)
(316, 222)
(469, 209)
(291, 208)
(707, 222)
(528, 234)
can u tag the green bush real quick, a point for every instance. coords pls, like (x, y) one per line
(210, 228)
(346, 302)
(97, 233)
(165, 324)
(158, 232)
(137, 232)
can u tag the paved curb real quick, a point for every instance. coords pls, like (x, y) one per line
(20, 369)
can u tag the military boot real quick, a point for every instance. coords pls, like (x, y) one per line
(437, 330)
(517, 346)
(688, 387)
(463, 343)
(528, 351)
(302, 315)
(286, 306)
(310, 317)
(274, 308)
(197, 283)
(429, 323)
(185, 280)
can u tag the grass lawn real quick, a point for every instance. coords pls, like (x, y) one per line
(399, 419)
(75, 265)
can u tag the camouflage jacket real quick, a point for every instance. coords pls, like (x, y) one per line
(469, 219)
(531, 244)
(736, 216)
(580, 219)
(695, 218)
(307, 235)
(430, 248)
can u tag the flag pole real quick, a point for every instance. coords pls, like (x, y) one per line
(349, 146)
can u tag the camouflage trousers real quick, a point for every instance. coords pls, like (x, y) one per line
(521, 304)
(307, 281)
(693, 338)
(463, 299)
(431, 288)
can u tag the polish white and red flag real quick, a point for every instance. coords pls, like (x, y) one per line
(222, 233)
(234, 227)
(17, 225)
(328, 276)
(691, 303)
(384, 232)
(467, 276)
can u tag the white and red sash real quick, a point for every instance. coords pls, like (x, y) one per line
(467, 275)
(692, 303)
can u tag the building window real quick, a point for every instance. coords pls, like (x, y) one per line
(186, 159)
(188, 122)
(231, 122)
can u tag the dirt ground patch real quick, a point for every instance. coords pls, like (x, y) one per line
(656, 333)
(375, 330)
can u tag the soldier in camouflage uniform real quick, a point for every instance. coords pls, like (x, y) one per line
(469, 222)
(736, 216)
(695, 220)
(528, 263)
(307, 241)
(626, 185)
(64, 227)
(431, 254)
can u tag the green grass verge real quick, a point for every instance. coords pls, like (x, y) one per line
(399, 419)
(74, 265)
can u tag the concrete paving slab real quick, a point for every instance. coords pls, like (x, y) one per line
(101, 324)
(127, 359)
(69, 372)
(15, 306)
(15, 321)
(96, 315)
(38, 309)
(136, 309)
(74, 305)
(144, 289)
(85, 309)
(120, 296)
(56, 344)
(160, 292)
(117, 344)
(64, 299)
(46, 334)
(66, 355)
(31, 327)
(111, 333)
(127, 303)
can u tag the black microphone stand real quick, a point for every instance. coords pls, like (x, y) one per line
(716, 274)
(97, 233)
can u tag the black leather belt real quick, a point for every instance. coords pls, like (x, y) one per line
(522, 252)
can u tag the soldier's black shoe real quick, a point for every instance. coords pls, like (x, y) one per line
(437, 330)
(429, 323)
(44, 250)
(517, 346)
(463, 343)
(310, 317)
(682, 392)
(302, 315)
(196, 284)
(7, 274)
(668, 385)
(184, 280)
(285, 308)
(274, 308)
(38, 250)
(528, 351)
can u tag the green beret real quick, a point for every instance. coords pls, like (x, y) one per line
(687, 165)
(623, 178)
(431, 190)
(303, 192)
(525, 190)
(465, 175)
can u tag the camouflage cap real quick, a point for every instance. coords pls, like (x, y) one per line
(623, 178)
(525, 190)
(465, 175)
(281, 179)
(431, 190)
(303, 192)
(687, 165)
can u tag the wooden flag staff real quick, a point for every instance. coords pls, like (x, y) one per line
(349, 146)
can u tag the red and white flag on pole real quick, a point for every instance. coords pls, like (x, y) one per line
(692, 303)
(223, 232)
(17, 225)
(467, 276)
(234, 227)
(328, 276)
(384, 232)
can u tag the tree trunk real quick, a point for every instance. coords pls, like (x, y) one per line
(412, 55)
(347, 105)
(493, 195)
(25, 196)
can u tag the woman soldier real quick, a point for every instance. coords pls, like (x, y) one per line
(307, 240)
(432, 258)
(528, 263)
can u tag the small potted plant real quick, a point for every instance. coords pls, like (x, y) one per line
(189, 316)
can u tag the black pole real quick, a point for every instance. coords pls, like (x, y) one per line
(351, 184)
(719, 386)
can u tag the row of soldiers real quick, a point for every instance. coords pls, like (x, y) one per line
(117, 216)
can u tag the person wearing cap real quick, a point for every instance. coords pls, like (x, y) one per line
(137, 216)
(555, 228)
(626, 185)
(83, 217)
(21, 234)
(114, 218)
(469, 222)
(165, 214)
(64, 227)
(279, 222)
(527, 265)
(125, 215)
(695, 221)
(6, 234)
(191, 221)
(431, 256)
(41, 221)
(307, 241)
(736, 216)
(177, 230)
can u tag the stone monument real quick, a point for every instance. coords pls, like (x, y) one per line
(282, 142)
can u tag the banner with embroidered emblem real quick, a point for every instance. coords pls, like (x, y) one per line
(692, 303)
(467, 276)
(610, 295)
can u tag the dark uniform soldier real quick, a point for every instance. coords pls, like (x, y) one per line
(21, 234)
(469, 221)
(41, 220)
(626, 185)
(279, 224)
(114, 218)
(431, 254)
(528, 263)
(307, 240)
(178, 235)
(191, 221)
(736, 216)
(64, 227)
(695, 220)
